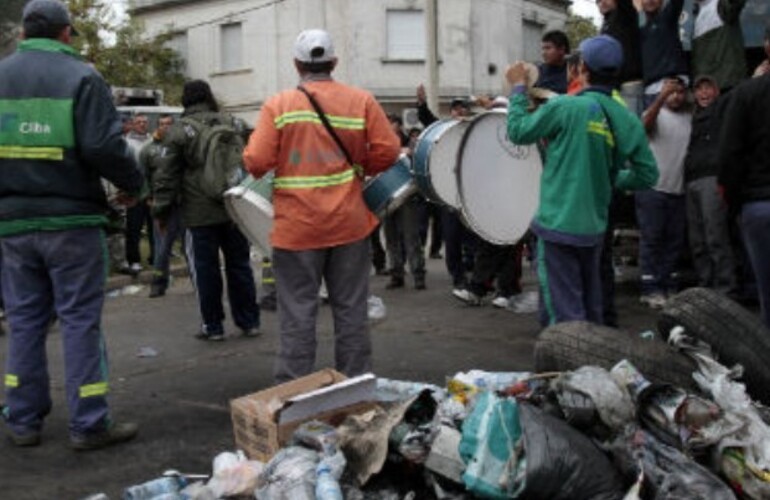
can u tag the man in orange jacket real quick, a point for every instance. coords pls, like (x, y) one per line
(321, 221)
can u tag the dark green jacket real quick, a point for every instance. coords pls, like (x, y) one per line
(717, 45)
(59, 134)
(177, 179)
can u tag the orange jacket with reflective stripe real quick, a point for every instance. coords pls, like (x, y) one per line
(317, 197)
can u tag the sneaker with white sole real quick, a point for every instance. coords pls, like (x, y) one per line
(501, 302)
(653, 300)
(467, 296)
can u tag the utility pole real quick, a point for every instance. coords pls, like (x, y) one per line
(431, 56)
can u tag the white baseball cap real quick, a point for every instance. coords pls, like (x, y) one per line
(314, 46)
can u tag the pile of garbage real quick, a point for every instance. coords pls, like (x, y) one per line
(589, 433)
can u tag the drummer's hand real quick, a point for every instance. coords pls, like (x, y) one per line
(517, 74)
(421, 94)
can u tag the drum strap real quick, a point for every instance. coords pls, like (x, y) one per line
(328, 126)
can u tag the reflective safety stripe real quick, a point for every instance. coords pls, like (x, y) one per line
(268, 281)
(343, 122)
(11, 380)
(97, 389)
(304, 182)
(31, 153)
(602, 129)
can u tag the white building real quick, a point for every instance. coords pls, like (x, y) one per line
(244, 47)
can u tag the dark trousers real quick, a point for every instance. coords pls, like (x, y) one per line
(378, 252)
(164, 245)
(203, 257)
(298, 276)
(402, 232)
(62, 272)
(459, 247)
(136, 218)
(431, 222)
(497, 262)
(570, 285)
(662, 224)
(755, 225)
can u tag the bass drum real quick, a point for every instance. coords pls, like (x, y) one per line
(387, 191)
(435, 161)
(499, 182)
(250, 205)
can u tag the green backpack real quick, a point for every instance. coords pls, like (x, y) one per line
(218, 149)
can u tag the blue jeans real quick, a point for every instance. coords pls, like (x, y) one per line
(755, 225)
(662, 223)
(164, 244)
(65, 272)
(203, 256)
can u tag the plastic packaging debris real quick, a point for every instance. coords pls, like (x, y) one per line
(414, 436)
(96, 496)
(490, 448)
(319, 436)
(612, 403)
(751, 483)
(464, 385)
(376, 310)
(290, 475)
(625, 374)
(444, 457)
(146, 352)
(198, 491)
(234, 474)
(126, 290)
(668, 473)
(399, 390)
(155, 488)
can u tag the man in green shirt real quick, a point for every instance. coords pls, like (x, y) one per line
(592, 144)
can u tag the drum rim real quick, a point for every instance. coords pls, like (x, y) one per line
(432, 195)
(467, 217)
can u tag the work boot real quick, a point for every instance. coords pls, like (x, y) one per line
(419, 283)
(31, 438)
(115, 434)
(395, 282)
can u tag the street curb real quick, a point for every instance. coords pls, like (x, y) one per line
(118, 281)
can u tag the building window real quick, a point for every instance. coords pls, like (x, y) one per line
(406, 34)
(231, 47)
(178, 43)
(532, 33)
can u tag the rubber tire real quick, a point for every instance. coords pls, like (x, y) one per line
(734, 334)
(568, 346)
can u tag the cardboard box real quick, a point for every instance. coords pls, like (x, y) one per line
(263, 422)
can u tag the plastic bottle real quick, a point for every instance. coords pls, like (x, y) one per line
(155, 488)
(326, 486)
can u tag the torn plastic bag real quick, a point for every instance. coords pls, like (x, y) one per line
(490, 448)
(562, 463)
(414, 436)
(611, 402)
(668, 473)
(290, 475)
(234, 475)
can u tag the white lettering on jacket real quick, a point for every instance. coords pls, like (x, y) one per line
(34, 128)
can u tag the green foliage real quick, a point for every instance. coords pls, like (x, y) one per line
(122, 52)
(578, 28)
(10, 15)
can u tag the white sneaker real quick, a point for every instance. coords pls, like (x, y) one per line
(501, 302)
(524, 303)
(467, 296)
(136, 267)
(653, 300)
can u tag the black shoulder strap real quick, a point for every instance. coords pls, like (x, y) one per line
(326, 123)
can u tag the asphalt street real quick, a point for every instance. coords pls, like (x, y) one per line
(178, 388)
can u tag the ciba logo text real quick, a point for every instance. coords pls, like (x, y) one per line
(34, 128)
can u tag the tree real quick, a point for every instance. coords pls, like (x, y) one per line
(579, 28)
(123, 53)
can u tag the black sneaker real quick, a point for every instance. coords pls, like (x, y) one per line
(117, 433)
(395, 282)
(211, 337)
(419, 284)
(251, 332)
(157, 291)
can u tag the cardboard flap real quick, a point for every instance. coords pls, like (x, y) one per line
(338, 395)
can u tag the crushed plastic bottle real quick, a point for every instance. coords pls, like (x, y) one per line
(326, 486)
(160, 487)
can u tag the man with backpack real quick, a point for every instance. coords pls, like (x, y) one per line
(200, 160)
(322, 224)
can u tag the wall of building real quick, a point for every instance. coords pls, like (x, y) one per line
(476, 41)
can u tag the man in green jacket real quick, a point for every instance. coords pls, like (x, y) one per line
(593, 144)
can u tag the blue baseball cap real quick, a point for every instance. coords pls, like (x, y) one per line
(602, 54)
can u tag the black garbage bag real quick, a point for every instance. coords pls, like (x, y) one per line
(562, 463)
(669, 474)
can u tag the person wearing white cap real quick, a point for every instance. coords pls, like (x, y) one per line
(591, 138)
(321, 224)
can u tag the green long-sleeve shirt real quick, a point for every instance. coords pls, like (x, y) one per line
(593, 143)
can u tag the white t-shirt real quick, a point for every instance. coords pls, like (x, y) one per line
(668, 143)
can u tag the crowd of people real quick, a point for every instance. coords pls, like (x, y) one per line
(697, 166)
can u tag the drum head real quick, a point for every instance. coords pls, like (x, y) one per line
(253, 214)
(499, 182)
(442, 164)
